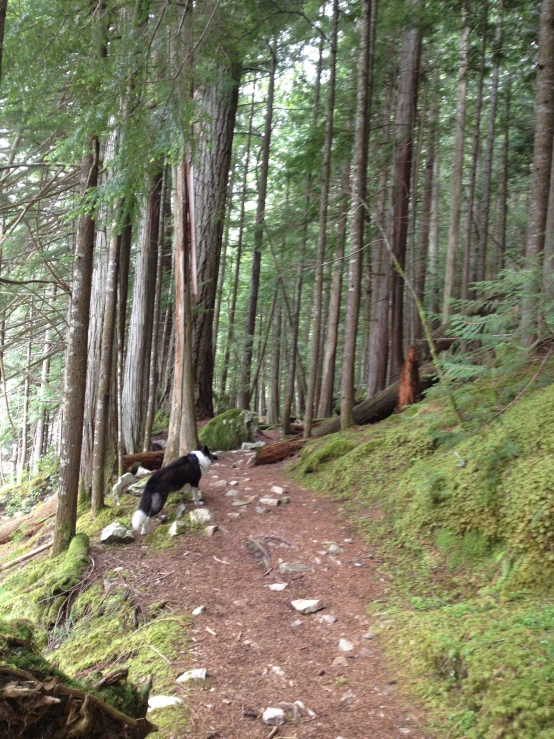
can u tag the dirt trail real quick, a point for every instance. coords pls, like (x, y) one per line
(257, 650)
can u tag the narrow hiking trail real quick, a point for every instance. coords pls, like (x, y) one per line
(257, 649)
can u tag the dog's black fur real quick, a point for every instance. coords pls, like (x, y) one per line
(170, 479)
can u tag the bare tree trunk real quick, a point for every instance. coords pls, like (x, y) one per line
(542, 160)
(322, 237)
(274, 377)
(41, 423)
(26, 391)
(122, 295)
(468, 267)
(135, 382)
(357, 208)
(504, 186)
(182, 436)
(75, 364)
(378, 345)
(434, 241)
(245, 392)
(487, 174)
(218, 101)
(403, 138)
(425, 220)
(3, 11)
(106, 364)
(232, 311)
(328, 382)
(457, 175)
(549, 239)
(153, 373)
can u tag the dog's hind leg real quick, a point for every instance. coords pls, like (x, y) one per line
(196, 496)
(144, 526)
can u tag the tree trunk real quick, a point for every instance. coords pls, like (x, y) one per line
(26, 391)
(329, 361)
(403, 139)
(153, 370)
(378, 344)
(504, 187)
(41, 423)
(232, 311)
(542, 160)
(457, 174)
(244, 393)
(122, 295)
(433, 291)
(322, 236)
(425, 219)
(101, 439)
(135, 383)
(182, 436)
(274, 377)
(3, 11)
(218, 102)
(469, 264)
(487, 174)
(357, 207)
(549, 240)
(75, 363)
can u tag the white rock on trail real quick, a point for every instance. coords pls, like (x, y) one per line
(199, 611)
(211, 530)
(180, 511)
(278, 586)
(261, 510)
(307, 605)
(278, 490)
(219, 484)
(369, 635)
(290, 568)
(142, 472)
(345, 645)
(163, 701)
(326, 618)
(124, 482)
(177, 528)
(231, 493)
(201, 516)
(273, 717)
(116, 533)
(200, 673)
(272, 502)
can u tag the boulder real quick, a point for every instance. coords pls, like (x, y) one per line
(229, 430)
(201, 516)
(273, 717)
(116, 533)
(200, 673)
(307, 605)
(124, 482)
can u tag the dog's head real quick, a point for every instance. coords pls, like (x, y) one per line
(206, 452)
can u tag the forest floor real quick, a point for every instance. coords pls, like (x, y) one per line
(257, 650)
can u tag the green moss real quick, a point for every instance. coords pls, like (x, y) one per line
(35, 488)
(463, 519)
(229, 430)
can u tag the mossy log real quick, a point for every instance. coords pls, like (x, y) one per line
(148, 460)
(272, 453)
(378, 407)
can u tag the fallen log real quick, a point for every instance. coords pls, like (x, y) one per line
(378, 407)
(272, 453)
(24, 557)
(27, 526)
(148, 460)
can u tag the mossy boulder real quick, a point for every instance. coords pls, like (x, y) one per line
(229, 430)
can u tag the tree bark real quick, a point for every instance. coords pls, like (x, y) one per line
(26, 391)
(329, 361)
(105, 376)
(244, 393)
(504, 187)
(469, 263)
(403, 139)
(3, 11)
(322, 235)
(218, 102)
(542, 160)
(135, 382)
(457, 174)
(487, 173)
(232, 311)
(75, 363)
(378, 344)
(153, 370)
(357, 207)
(182, 437)
(274, 376)
(41, 423)
(122, 295)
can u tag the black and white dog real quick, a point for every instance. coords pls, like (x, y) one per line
(176, 476)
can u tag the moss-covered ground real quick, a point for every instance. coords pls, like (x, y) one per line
(86, 625)
(462, 517)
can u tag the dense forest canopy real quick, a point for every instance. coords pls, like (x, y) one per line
(259, 205)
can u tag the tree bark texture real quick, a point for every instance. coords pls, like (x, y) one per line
(135, 381)
(357, 208)
(218, 102)
(457, 174)
(406, 103)
(322, 235)
(245, 392)
(3, 11)
(75, 363)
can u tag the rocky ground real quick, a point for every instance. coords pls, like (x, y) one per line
(324, 670)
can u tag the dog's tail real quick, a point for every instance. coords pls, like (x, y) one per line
(150, 505)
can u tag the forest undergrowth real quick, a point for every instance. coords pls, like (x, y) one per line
(462, 520)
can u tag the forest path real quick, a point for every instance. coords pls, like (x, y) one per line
(257, 650)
